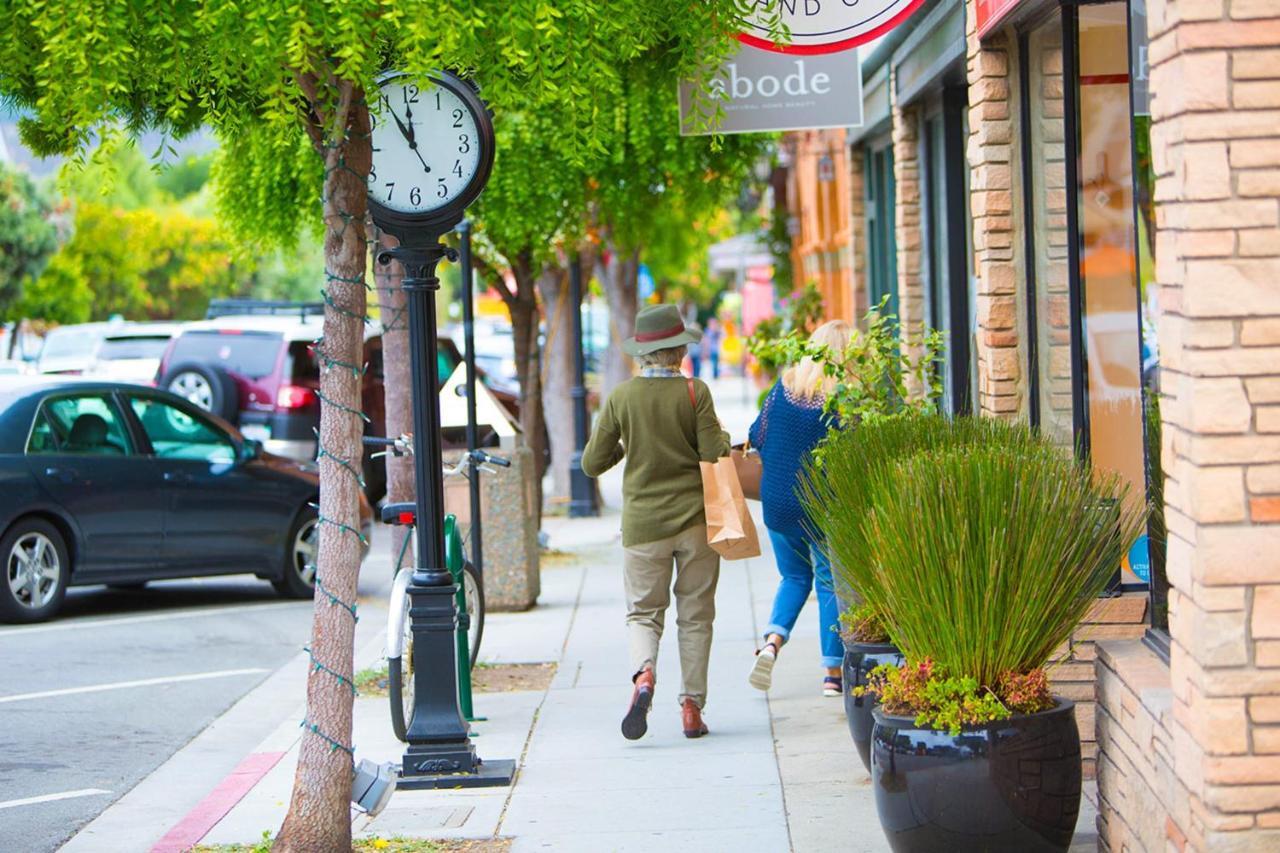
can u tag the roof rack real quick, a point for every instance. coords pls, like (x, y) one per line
(262, 307)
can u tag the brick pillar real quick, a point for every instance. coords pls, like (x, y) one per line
(1215, 80)
(990, 155)
(906, 217)
(858, 231)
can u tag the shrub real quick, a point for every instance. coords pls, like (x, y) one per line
(983, 559)
(939, 700)
(861, 624)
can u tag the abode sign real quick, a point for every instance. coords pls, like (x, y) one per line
(814, 80)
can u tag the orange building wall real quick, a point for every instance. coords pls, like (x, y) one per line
(820, 251)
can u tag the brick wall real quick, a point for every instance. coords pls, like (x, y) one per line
(1215, 80)
(858, 230)
(990, 153)
(907, 228)
(821, 203)
(1071, 669)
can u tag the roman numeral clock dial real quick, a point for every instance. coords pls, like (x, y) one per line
(432, 148)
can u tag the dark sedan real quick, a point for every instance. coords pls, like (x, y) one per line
(106, 483)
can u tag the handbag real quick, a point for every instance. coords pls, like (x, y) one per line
(750, 468)
(731, 532)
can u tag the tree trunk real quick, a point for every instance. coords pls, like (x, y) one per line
(523, 308)
(620, 279)
(557, 383)
(393, 307)
(319, 811)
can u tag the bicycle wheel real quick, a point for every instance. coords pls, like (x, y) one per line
(473, 592)
(400, 681)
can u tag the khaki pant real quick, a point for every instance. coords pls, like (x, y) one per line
(648, 570)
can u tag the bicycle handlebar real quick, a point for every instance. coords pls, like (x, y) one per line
(404, 444)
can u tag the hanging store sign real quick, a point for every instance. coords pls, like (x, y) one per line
(824, 26)
(761, 91)
(990, 13)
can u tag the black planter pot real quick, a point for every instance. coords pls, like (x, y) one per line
(1012, 785)
(860, 659)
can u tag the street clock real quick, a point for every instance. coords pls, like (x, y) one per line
(432, 151)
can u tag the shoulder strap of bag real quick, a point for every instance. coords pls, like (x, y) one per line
(693, 400)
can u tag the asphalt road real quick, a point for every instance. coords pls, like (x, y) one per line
(196, 646)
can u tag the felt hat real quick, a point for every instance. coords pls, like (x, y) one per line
(659, 327)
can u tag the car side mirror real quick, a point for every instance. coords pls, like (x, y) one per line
(251, 449)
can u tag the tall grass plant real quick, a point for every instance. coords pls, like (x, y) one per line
(983, 558)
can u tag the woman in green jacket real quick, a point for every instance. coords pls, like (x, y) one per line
(663, 425)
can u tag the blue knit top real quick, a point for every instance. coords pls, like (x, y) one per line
(785, 432)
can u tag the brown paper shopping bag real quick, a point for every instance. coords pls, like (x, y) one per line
(731, 532)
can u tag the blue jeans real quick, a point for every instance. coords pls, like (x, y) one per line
(799, 562)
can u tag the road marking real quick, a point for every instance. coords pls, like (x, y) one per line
(49, 798)
(125, 685)
(79, 624)
(221, 800)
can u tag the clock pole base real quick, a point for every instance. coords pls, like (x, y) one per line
(488, 774)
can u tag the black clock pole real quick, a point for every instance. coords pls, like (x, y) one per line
(440, 752)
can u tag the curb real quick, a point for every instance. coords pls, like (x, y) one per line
(197, 783)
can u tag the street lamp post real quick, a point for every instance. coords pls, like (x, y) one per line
(582, 491)
(432, 199)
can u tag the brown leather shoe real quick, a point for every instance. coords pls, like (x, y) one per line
(636, 722)
(691, 718)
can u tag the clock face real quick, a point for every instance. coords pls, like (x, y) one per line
(426, 147)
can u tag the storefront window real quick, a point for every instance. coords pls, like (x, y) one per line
(882, 251)
(1051, 300)
(1108, 258)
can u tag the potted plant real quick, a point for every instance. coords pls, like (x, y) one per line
(866, 647)
(981, 561)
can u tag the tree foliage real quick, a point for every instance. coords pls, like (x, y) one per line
(284, 86)
(28, 235)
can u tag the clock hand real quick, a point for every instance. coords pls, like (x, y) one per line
(406, 132)
(408, 117)
(413, 146)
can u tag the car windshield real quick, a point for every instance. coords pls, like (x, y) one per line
(114, 349)
(250, 354)
(69, 343)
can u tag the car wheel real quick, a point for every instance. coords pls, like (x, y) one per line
(204, 385)
(299, 577)
(37, 568)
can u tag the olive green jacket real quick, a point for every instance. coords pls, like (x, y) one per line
(652, 423)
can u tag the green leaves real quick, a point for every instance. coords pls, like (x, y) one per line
(28, 235)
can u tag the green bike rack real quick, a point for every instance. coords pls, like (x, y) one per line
(454, 561)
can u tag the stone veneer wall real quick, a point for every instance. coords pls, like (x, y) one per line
(907, 216)
(997, 357)
(858, 230)
(1200, 769)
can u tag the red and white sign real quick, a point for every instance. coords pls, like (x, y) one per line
(990, 13)
(825, 26)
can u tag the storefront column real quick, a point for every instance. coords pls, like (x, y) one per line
(858, 231)
(990, 155)
(906, 215)
(1215, 83)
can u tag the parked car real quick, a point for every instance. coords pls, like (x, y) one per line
(71, 349)
(110, 483)
(251, 363)
(131, 353)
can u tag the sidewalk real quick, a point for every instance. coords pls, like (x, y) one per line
(777, 773)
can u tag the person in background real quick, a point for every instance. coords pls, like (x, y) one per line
(714, 337)
(695, 351)
(790, 424)
(663, 425)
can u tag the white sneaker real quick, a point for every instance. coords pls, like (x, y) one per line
(761, 676)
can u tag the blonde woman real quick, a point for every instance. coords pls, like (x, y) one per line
(789, 426)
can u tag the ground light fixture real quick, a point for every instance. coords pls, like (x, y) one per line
(372, 786)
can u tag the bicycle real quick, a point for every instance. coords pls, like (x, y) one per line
(470, 599)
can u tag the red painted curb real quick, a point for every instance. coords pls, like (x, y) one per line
(187, 832)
